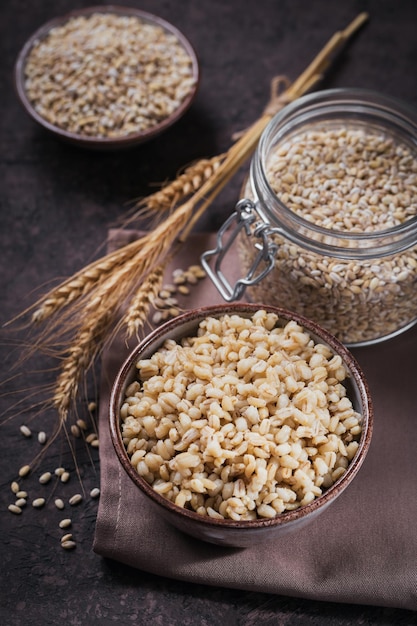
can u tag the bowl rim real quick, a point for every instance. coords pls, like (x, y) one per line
(133, 138)
(160, 333)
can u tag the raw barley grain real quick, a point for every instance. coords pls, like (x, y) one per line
(25, 430)
(24, 470)
(75, 499)
(45, 478)
(65, 523)
(157, 317)
(42, 437)
(75, 430)
(13, 508)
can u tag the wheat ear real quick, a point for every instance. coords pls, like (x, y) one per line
(81, 283)
(79, 359)
(139, 307)
(97, 317)
(184, 185)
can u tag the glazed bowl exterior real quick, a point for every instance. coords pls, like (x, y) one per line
(103, 143)
(228, 532)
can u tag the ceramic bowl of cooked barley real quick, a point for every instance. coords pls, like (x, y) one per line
(240, 422)
(107, 77)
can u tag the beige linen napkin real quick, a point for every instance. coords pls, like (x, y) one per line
(363, 549)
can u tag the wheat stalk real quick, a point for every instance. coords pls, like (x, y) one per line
(93, 296)
(96, 318)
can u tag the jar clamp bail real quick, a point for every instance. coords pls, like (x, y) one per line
(244, 216)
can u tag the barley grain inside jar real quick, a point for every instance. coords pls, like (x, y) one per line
(327, 226)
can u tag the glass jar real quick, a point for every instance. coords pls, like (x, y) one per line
(327, 226)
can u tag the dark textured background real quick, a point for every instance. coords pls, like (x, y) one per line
(57, 203)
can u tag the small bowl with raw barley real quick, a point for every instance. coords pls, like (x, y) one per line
(240, 422)
(107, 77)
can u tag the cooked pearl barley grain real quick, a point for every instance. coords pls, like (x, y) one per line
(65, 476)
(20, 502)
(68, 545)
(59, 503)
(107, 75)
(94, 493)
(347, 180)
(246, 419)
(15, 487)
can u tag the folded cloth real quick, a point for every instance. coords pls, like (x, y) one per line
(362, 550)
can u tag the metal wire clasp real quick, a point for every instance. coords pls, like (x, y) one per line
(244, 216)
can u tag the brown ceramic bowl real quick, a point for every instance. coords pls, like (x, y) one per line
(121, 141)
(228, 532)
